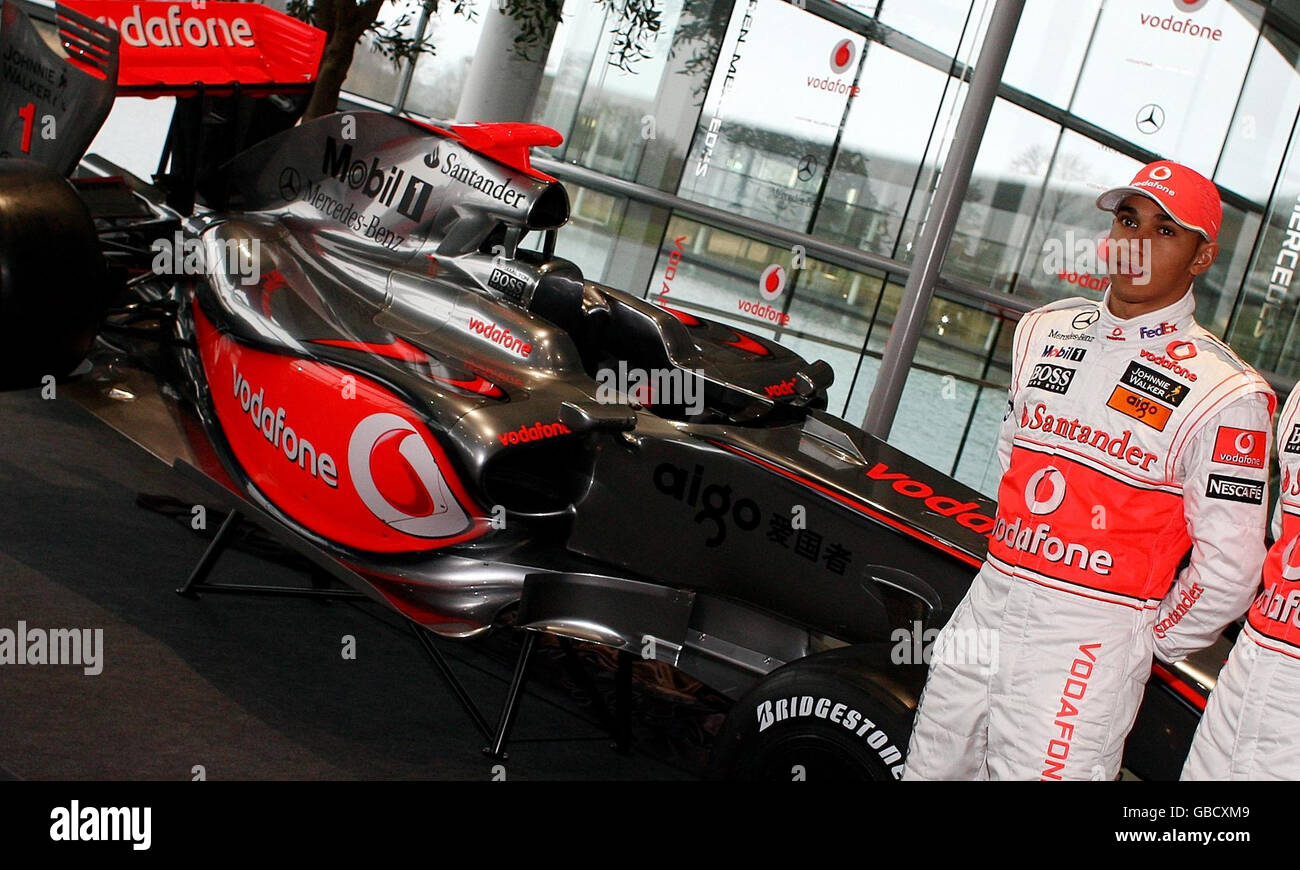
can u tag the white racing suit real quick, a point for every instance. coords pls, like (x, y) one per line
(1126, 443)
(1251, 726)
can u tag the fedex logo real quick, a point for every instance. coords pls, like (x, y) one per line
(1156, 331)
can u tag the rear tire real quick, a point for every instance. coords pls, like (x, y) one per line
(53, 281)
(828, 717)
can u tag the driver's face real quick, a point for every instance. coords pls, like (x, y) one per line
(1162, 256)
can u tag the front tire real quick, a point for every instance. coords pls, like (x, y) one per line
(53, 281)
(843, 715)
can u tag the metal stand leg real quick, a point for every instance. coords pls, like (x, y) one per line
(511, 708)
(457, 688)
(623, 704)
(210, 555)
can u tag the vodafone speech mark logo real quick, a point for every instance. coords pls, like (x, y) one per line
(771, 284)
(398, 479)
(1290, 570)
(1180, 350)
(1190, 5)
(1045, 490)
(1244, 447)
(1160, 173)
(842, 56)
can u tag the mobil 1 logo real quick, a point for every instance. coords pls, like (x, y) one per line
(1222, 486)
(1054, 379)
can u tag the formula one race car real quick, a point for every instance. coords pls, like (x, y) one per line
(354, 340)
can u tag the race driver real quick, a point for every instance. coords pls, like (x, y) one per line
(1132, 437)
(1251, 726)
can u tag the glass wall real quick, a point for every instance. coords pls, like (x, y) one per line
(834, 120)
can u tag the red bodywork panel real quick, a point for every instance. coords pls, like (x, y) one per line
(340, 454)
(172, 48)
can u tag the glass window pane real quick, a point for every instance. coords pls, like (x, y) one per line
(439, 79)
(1058, 260)
(1265, 115)
(372, 74)
(1050, 73)
(1166, 79)
(1002, 198)
(876, 167)
(1266, 328)
(937, 23)
(772, 112)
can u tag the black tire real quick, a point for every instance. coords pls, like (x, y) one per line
(53, 281)
(840, 715)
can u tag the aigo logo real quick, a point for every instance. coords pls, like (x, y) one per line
(771, 283)
(398, 479)
(842, 56)
(1054, 496)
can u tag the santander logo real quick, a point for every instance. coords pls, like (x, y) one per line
(398, 479)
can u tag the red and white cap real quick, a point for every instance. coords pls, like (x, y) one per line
(1188, 197)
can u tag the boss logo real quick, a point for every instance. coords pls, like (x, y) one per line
(1293, 440)
(511, 285)
(1054, 379)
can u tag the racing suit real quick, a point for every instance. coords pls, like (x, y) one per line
(1126, 443)
(1251, 726)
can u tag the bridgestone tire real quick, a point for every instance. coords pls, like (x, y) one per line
(53, 281)
(825, 718)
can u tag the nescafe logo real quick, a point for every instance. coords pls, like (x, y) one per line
(843, 55)
(398, 479)
(1045, 490)
(771, 284)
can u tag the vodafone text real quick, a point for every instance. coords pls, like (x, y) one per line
(171, 30)
(1076, 686)
(1039, 540)
(275, 429)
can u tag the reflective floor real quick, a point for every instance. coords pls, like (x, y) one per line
(239, 688)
